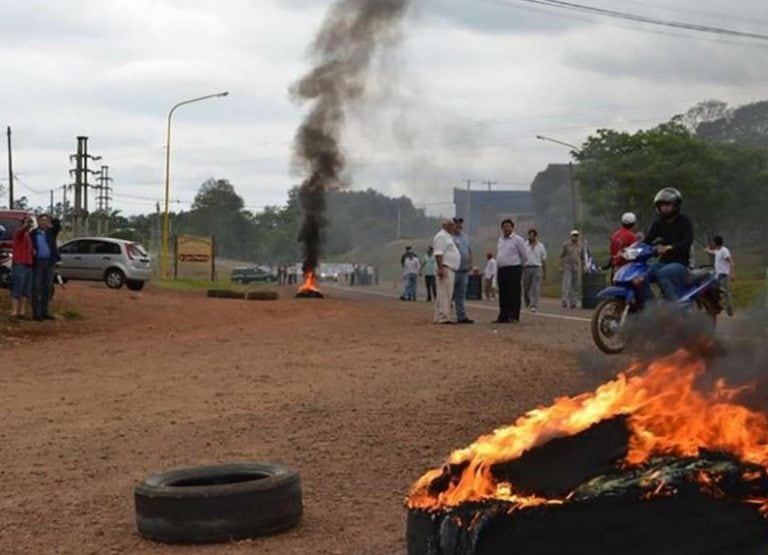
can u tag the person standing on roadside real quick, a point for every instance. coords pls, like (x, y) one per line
(21, 270)
(411, 267)
(510, 257)
(46, 256)
(534, 271)
(429, 269)
(489, 276)
(571, 263)
(725, 270)
(447, 259)
(462, 274)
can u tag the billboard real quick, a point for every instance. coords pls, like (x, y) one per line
(194, 253)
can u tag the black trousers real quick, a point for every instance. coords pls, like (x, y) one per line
(509, 281)
(431, 283)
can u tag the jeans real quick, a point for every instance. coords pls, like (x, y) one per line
(531, 286)
(670, 278)
(41, 287)
(570, 286)
(409, 293)
(509, 281)
(460, 293)
(724, 281)
(430, 282)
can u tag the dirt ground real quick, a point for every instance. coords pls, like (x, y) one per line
(360, 394)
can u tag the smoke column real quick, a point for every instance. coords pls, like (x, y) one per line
(342, 53)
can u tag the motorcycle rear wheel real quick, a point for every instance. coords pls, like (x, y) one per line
(607, 331)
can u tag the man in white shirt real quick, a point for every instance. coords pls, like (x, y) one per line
(510, 258)
(489, 277)
(725, 271)
(534, 271)
(448, 259)
(411, 267)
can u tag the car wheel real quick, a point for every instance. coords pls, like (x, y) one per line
(135, 285)
(114, 278)
(218, 503)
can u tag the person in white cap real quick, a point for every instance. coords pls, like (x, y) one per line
(571, 263)
(622, 238)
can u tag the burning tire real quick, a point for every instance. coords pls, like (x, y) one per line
(607, 331)
(218, 503)
(262, 295)
(225, 294)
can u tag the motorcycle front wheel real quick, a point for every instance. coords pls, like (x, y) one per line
(607, 329)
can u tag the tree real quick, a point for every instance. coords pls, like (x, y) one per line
(704, 112)
(721, 184)
(219, 211)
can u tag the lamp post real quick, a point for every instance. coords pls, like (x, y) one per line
(166, 221)
(575, 212)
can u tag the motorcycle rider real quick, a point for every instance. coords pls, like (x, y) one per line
(623, 238)
(674, 232)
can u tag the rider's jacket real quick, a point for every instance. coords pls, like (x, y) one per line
(678, 233)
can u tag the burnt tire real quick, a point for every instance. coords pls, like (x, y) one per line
(225, 294)
(262, 295)
(210, 504)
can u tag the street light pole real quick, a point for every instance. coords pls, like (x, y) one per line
(574, 209)
(166, 220)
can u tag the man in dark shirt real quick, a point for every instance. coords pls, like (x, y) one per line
(674, 233)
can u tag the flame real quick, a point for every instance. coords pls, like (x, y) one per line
(667, 415)
(310, 283)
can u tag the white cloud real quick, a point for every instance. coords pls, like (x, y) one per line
(475, 83)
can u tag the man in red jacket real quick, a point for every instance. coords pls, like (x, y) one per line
(21, 271)
(623, 238)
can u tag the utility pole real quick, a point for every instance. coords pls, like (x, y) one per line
(64, 205)
(10, 171)
(103, 199)
(81, 171)
(51, 211)
(490, 184)
(397, 235)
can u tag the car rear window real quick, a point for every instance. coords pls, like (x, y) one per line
(137, 250)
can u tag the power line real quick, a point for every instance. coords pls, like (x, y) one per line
(626, 16)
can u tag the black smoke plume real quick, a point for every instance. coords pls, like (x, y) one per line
(351, 35)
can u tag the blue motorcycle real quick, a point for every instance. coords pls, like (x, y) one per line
(631, 291)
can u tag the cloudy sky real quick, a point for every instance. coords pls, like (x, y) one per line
(475, 81)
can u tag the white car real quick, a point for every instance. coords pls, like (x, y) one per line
(116, 262)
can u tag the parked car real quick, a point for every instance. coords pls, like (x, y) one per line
(5, 271)
(117, 262)
(251, 274)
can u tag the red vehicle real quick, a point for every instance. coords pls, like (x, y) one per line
(10, 221)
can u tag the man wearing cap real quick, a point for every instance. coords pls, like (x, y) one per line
(448, 259)
(623, 238)
(571, 260)
(462, 274)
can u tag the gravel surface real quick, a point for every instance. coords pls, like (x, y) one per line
(360, 394)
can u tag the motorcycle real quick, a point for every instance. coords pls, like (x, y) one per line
(631, 292)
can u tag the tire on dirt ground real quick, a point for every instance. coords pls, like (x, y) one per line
(262, 296)
(218, 503)
(135, 284)
(225, 294)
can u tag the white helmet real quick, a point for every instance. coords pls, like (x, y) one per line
(628, 218)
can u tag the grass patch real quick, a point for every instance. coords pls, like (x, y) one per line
(748, 292)
(72, 314)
